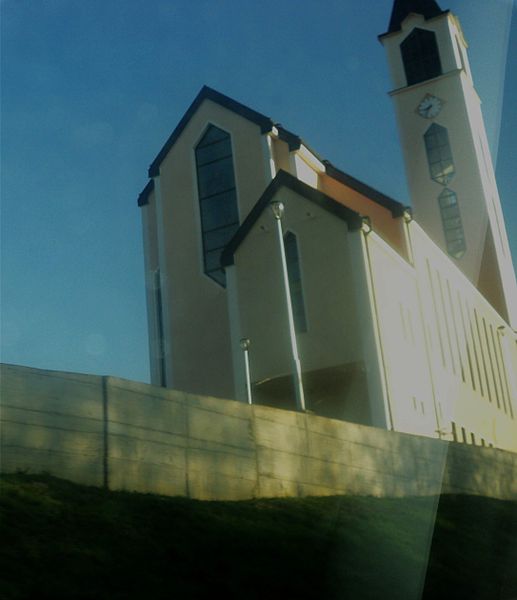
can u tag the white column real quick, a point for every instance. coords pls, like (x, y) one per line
(278, 211)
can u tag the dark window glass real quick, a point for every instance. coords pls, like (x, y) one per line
(218, 238)
(295, 282)
(214, 151)
(439, 155)
(217, 198)
(420, 56)
(452, 226)
(219, 210)
(215, 177)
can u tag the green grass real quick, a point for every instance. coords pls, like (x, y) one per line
(61, 540)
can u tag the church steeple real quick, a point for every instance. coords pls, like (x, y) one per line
(450, 174)
(402, 8)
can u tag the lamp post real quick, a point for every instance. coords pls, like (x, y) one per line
(245, 344)
(278, 211)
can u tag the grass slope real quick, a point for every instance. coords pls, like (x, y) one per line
(61, 540)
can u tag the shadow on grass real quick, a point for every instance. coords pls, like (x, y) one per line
(62, 540)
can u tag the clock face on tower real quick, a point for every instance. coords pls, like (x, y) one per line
(430, 106)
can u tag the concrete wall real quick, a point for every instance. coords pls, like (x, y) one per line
(132, 436)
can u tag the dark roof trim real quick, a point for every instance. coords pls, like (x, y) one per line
(284, 179)
(403, 8)
(143, 198)
(396, 208)
(293, 141)
(206, 93)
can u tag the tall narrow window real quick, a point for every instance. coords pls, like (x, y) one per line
(452, 226)
(439, 155)
(420, 56)
(295, 282)
(217, 198)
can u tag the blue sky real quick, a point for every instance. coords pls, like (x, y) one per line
(90, 92)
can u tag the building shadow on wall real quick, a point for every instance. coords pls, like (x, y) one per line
(338, 392)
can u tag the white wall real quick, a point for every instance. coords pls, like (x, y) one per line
(472, 350)
(332, 339)
(403, 345)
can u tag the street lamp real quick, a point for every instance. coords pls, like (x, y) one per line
(245, 344)
(278, 210)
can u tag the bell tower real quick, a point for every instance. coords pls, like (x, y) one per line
(448, 165)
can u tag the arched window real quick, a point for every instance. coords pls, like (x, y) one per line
(420, 56)
(217, 198)
(439, 155)
(452, 226)
(295, 281)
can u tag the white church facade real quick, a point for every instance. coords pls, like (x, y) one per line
(361, 309)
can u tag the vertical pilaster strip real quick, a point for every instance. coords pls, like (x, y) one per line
(105, 434)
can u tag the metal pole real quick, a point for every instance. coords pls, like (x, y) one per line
(245, 344)
(278, 211)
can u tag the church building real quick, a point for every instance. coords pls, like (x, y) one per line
(274, 277)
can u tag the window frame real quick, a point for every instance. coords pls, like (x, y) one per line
(447, 231)
(435, 130)
(201, 233)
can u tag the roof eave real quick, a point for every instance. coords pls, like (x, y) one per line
(143, 197)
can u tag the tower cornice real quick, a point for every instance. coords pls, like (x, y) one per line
(460, 72)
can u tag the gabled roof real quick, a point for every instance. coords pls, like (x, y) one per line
(266, 124)
(403, 8)
(284, 179)
(206, 93)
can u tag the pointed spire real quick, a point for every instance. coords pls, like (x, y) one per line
(402, 8)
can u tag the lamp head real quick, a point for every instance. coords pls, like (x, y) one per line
(244, 343)
(278, 209)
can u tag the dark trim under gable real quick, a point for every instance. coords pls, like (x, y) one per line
(206, 93)
(143, 198)
(396, 208)
(283, 179)
(294, 141)
(291, 139)
(403, 8)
